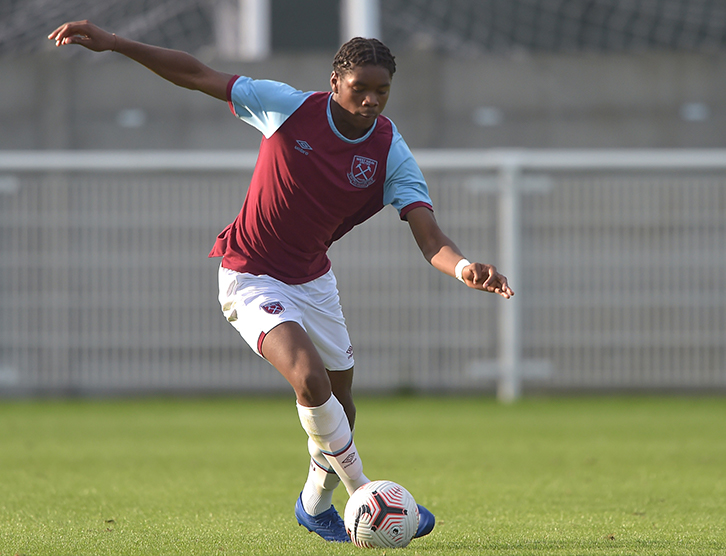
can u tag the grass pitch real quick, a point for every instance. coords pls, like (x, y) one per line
(561, 476)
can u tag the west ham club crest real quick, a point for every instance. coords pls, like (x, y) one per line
(362, 171)
(273, 307)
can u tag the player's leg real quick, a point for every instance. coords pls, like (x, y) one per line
(322, 480)
(333, 456)
(291, 351)
(256, 305)
(327, 328)
(324, 323)
(341, 384)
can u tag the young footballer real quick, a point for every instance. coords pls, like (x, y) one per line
(327, 162)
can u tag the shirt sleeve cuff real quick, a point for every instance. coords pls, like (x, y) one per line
(230, 84)
(408, 208)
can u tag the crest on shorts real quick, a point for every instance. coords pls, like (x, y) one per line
(362, 171)
(273, 307)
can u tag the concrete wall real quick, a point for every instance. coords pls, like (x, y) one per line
(53, 101)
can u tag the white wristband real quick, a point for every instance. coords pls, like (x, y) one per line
(460, 268)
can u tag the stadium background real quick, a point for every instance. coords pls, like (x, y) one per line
(104, 283)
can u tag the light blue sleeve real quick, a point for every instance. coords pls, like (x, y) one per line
(264, 104)
(405, 184)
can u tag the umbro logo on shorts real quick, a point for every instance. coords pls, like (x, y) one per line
(274, 307)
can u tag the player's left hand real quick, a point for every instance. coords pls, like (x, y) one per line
(486, 278)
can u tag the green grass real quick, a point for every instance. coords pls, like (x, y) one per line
(562, 476)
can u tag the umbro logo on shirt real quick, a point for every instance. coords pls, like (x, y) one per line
(303, 147)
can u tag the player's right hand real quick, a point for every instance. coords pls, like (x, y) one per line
(84, 33)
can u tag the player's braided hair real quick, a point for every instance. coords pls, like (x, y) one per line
(363, 52)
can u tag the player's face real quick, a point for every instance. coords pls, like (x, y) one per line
(359, 96)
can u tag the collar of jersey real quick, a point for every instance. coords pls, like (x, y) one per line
(340, 135)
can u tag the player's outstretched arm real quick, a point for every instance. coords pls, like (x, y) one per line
(173, 65)
(443, 255)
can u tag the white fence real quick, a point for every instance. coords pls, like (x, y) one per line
(618, 260)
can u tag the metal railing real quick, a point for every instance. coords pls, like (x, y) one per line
(618, 259)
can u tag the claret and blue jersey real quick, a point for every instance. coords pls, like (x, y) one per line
(311, 185)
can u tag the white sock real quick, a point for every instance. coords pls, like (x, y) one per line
(328, 428)
(317, 494)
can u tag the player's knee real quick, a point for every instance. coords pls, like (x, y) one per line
(313, 389)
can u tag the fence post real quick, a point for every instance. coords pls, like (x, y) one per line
(509, 384)
(360, 18)
(255, 31)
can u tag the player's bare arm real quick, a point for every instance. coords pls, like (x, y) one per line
(444, 255)
(180, 68)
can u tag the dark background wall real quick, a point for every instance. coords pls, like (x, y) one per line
(539, 100)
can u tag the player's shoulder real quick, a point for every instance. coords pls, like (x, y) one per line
(246, 87)
(264, 103)
(399, 148)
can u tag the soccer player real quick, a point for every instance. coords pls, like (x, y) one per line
(327, 162)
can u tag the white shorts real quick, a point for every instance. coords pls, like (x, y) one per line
(254, 305)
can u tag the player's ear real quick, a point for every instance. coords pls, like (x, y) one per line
(334, 79)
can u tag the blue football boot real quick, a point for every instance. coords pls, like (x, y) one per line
(426, 522)
(328, 524)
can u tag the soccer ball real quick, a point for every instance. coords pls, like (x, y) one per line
(381, 514)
